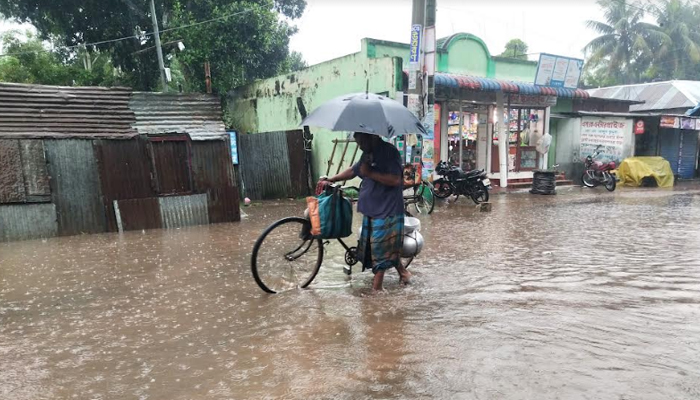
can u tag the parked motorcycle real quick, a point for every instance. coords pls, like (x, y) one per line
(598, 173)
(453, 180)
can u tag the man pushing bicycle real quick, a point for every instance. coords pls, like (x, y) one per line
(382, 205)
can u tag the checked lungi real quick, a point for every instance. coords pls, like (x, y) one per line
(380, 242)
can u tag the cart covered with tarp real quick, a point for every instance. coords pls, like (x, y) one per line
(640, 171)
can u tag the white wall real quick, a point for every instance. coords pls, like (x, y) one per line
(569, 146)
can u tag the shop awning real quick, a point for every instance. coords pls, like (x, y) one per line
(475, 83)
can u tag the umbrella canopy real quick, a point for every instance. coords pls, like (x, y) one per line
(365, 112)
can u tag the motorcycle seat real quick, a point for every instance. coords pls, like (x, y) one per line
(471, 174)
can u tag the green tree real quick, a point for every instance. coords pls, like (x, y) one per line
(30, 61)
(515, 48)
(248, 42)
(626, 43)
(239, 48)
(679, 56)
(295, 62)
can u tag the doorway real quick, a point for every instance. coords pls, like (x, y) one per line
(525, 128)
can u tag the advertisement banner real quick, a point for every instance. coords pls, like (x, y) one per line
(414, 104)
(234, 147)
(429, 124)
(558, 71)
(688, 123)
(416, 31)
(668, 121)
(639, 127)
(427, 157)
(609, 133)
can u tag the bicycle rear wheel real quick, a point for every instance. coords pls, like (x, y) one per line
(286, 256)
(425, 199)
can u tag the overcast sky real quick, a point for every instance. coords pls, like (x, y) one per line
(334, 28)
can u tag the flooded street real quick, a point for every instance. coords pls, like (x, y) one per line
(585, 295)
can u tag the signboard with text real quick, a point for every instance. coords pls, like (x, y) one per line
(234, 147)
(558, 71)
(609, 133)
(416, 31)
(668, 121)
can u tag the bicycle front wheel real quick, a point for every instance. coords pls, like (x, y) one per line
(286, 256)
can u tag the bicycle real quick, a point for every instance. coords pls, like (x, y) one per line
(289, 239)
(423, 196)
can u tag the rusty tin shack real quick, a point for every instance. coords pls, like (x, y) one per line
(79, 160)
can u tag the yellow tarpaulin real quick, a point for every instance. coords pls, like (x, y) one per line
(632, 170)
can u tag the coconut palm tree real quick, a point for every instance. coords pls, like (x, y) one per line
(679, 56)
(626, 43)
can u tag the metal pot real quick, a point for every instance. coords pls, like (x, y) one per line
(412, 244)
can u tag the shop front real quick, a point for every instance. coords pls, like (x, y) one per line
(477, 112)
(673, 137)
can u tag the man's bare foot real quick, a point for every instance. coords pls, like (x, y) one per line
(405, 278)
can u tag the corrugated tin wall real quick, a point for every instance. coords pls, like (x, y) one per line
(224, 205)
(214, 174)
(181, 211)
(60, 132)
(298, 172)
(75, 186)
(198, 115)
(171, 161)
(27, 221)
(137, 214)
(35, 111)
(125, 173)
(267, 170)
(211, 165)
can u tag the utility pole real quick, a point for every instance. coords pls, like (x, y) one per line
(159, 50)
(416, 59)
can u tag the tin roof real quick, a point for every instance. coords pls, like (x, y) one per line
(495, 85)
(657, 96)
(38, 111)
(198, 115)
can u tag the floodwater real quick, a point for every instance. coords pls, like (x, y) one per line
(584, 295)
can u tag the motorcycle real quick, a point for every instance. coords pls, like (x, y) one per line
(598, 173)
(453, 180)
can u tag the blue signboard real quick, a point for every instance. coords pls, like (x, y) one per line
(416, 31)
(234, 147)
(558, 71)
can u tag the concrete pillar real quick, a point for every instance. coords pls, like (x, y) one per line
(444, 121)
(461, 133)
(491, 110)
(502, 139)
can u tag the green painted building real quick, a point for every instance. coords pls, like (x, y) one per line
(466, 73)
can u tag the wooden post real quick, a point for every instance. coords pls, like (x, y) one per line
(207, 76)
